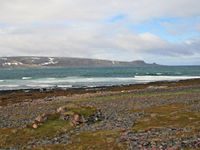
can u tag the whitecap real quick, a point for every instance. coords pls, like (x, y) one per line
(163, 78)
(26, 78)
(159, 73)
(64, 86)
(9, 86)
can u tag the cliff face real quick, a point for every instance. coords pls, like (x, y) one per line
(56, 62)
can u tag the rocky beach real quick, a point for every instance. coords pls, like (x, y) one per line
(157, 115)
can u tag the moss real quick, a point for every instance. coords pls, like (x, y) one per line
(134, 95)
(91, 140)
(81, 110)
(51, 128)
(174, 114)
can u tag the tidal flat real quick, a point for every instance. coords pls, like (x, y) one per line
(159, 115)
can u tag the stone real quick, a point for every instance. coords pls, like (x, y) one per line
(146, 120)
(110, 140)
(41, 118)
(14, 131)
(61, 109)
(76, 118)
(35, 126)
(123, 129)
(124, 137)
(153, 115)
(82, 119)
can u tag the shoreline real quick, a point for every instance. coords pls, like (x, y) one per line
(16, 96)
(109, 87)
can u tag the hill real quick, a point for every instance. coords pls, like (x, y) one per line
(57, 62)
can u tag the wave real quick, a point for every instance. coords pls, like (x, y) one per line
(64, 86)
(71, 82)
(38, 85)
(26, 78)
(163, 78)
(159, 73)
(81, 80)
(10, 85)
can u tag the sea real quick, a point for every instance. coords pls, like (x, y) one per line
(14, 79)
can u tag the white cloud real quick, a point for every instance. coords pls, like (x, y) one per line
(78, 28)
(26, 11)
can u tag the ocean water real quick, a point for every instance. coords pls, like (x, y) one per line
(92, 77)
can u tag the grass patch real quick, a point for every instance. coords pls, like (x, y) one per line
(170, 115)
(53, 127)
(91, 140)
(84, 111)
(20, 136)
(133, 95)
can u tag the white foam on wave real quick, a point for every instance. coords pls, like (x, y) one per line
(39, 85)
(26, 78)
(69, 82)
(64, 86)
(159, 73)
(73, 80)
(163, 78)
(81, 80)
(1, 80)
(9, 85)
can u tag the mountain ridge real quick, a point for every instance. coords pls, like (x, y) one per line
(68, 62)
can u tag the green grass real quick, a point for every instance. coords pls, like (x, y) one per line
(91, 140)
(84, 111)
(20, 136)
(131, 95)
(53, 127)
(170, 115)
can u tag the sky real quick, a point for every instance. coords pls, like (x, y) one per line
(162, 31)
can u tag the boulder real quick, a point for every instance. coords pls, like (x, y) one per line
(35, 126)
(61, 109)
(82, 119)
(76, 118)
(123, 129)
(41, 118)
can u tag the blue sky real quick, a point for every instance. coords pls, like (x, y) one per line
(158, 26)
(164, 31)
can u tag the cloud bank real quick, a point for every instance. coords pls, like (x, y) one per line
(164, 31)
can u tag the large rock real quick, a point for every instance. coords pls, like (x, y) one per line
(41, 118)
(76, 118)
(61, 109)
(35, 126)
